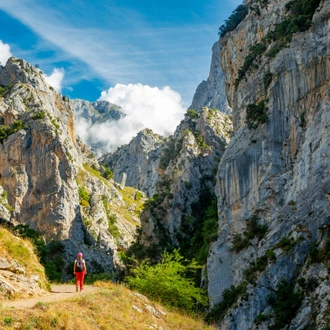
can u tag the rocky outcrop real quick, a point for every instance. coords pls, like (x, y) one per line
(211, 93)
(137, 161)
(277, 173)
(187, 166)
(21, 274)
(41, 163)
(96, 112)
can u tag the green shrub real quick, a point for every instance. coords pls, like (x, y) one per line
(255, 229)
(255, 51)
(229, 298)
(234, 19)
(107, 174)
(84, 196)
(5, 90)
(285, 304)
(255, 114)
(268, 77)
(239, 243)
(286, 244)
(261, 318)
(192, 114)
(200, 141)
(167, 281)
(7, 320)
(39, 115)
(138, 196)
(5, 131)
(50, 254)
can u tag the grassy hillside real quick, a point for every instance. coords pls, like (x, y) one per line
(111, 307)
(21, 250)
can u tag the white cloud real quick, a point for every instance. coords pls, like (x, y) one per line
(4, 53)
(145, 107)
(56, 78)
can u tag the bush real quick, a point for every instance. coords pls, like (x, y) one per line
(234, 19)
(229, 298)
(107, 174)
(5, 131)
(200, 141)
(239, 243)
(268, 77)
(255, 52)
(255, 114)
(285, 304)
(192, 114)
(254, 229)
(167, 281)
(286, 244)
(84, 197)
(39, 115)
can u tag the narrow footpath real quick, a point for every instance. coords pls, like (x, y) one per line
(58, 293)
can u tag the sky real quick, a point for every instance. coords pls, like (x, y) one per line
(89, 50)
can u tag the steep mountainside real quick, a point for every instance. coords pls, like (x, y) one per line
(187, 165)
(52, 181)
(210, 93)
(136, 164)
(268, 268)
(96, 112)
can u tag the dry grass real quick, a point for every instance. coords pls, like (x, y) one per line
(107, 309)
(21, 250)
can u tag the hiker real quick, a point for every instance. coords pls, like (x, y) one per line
(80, 270)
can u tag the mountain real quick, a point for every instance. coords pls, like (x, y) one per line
(137, 163)
(51, 179)
(272, 184)
(96, 112)
(210, 93)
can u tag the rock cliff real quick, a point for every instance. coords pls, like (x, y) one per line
(272, 182)
(211, 93)
(187, 165)
(52, 180)
(137, 163)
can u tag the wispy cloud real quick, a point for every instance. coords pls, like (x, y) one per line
(5, 52)
(55, 79)
(145, 107)
(128, 50)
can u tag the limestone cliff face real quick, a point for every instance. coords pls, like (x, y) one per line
(211, 93)
(187, 165)
(41, 164)
(136, 164)
(278, 172)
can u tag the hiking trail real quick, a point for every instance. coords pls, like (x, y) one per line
(57, 293)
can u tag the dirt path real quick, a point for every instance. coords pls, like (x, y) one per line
(58, 293)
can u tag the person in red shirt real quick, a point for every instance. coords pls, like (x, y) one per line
(80, 270)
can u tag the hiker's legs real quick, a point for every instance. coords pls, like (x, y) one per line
(79, 280)
(82, 281)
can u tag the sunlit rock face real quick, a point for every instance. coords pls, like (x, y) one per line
(211, 93)
(278, 171)
(43, 167)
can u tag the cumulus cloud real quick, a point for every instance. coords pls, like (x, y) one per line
(144, 107)
(5, 53)
(56, 78)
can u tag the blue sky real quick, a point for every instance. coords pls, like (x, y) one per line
(103, 43)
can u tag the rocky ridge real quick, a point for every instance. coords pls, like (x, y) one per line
(186, 166)
(42, 160)
(137, 163)
(210, 93)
